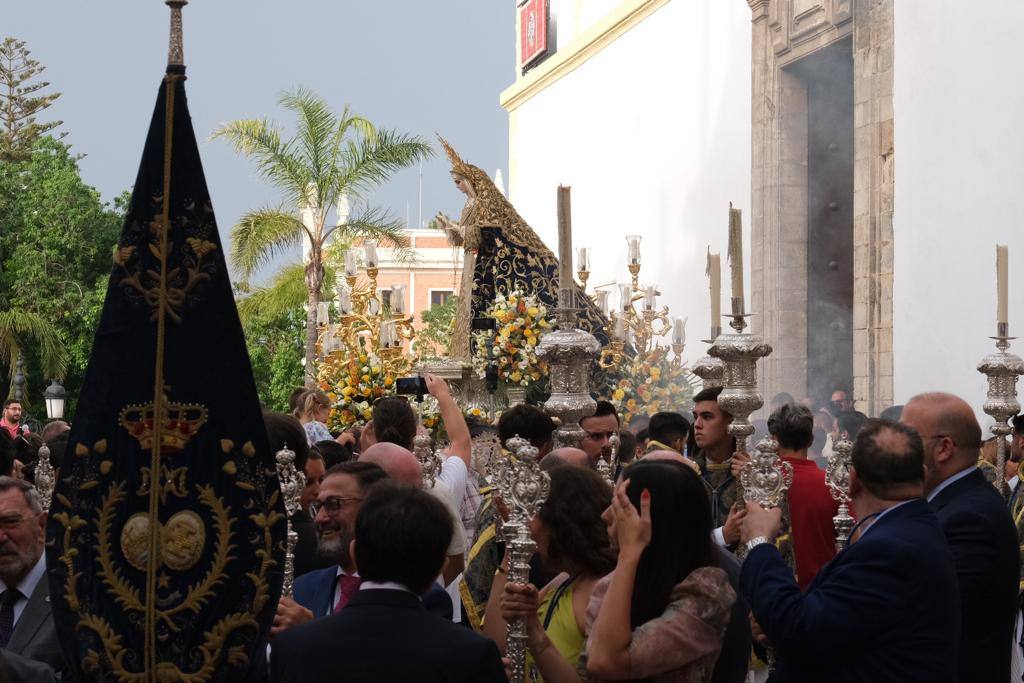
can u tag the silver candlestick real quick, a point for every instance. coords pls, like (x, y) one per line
(45, 477)
(710, 369)
(1002, 370)
(837, 476)
(607, 468)
(292, 481)
(527, 489)
(765, 481)
(740, 397)
(569, 353)
(429, 460)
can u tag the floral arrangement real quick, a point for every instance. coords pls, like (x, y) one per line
(520, 320)
(650, 384)
(353, 384)
(430, 417)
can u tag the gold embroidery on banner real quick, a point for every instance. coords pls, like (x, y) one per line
(184, 538)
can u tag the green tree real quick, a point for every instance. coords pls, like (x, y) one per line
(21, 100)
(56, 248)
(331, 158)
(275, 351)
(434, 339)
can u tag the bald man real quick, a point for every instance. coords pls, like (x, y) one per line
(978, 529)
(573, 457)
(403, 467)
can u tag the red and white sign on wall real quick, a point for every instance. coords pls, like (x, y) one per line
(533, 31)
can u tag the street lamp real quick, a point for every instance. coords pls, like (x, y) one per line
(54, 396)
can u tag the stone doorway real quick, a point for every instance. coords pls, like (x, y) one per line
(821, 204)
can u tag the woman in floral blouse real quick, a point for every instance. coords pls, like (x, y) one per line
(662, 613)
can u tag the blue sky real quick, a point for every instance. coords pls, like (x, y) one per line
(417, 66)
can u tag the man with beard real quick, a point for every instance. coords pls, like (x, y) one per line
(599, 428)
(326, 591)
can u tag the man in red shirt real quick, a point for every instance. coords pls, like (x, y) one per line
(12, 417)
(811, 506)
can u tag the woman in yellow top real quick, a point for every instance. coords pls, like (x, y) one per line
(572, 540)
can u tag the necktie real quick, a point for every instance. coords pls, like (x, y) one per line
(348, 586)
(7, 600)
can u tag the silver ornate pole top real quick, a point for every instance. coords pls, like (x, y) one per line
(176, 47)
(766, 478)
(429, 462)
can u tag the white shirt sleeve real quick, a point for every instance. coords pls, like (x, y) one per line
(453, 475)
(458, 543)
(719, 536)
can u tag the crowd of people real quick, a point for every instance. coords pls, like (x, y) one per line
(666, 574)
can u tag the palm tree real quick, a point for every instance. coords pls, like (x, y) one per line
(331, 158)
(19, 327)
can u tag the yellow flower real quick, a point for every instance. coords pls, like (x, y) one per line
(631, 404)
(388, 381)
(533, 311)
(619, 394)
(516, 376)
(366, 378)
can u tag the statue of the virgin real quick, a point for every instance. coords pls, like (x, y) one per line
(502, 255)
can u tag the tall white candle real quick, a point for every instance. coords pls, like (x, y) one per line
(714, 272)
(620, 328)
(350, 263)
(736, 252)
(602, 301)
(1002, 283)
(565, 279)
(345, 301)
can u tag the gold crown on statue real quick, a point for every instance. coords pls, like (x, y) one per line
(179, 424)
(458, 165)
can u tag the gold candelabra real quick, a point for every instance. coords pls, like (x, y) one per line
(366, 327)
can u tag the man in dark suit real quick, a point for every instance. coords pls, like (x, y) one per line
(319, 593)
(384, 633)
(17, 669)
(978, 529)
(26, 622)
(886, 609)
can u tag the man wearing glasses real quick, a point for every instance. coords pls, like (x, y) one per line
(326, 591)
(978, 529)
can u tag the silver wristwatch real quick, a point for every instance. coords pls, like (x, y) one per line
(756, 541)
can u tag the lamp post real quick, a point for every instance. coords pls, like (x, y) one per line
(55, 396)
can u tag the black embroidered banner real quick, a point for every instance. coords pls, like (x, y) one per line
(166, 534)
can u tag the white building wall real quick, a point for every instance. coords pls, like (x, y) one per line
(959, 188)
(653, 135)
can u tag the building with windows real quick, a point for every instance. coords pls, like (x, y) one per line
(431, 276)
(864, 273)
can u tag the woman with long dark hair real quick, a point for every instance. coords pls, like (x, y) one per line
(572, 541)
(662, 613)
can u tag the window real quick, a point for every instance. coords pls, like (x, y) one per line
(439, 297)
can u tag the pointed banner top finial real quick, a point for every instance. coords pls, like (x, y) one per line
(176, 49)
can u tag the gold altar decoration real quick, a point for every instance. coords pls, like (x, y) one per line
(641, 375)
(363, 353)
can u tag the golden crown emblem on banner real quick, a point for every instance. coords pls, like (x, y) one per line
(179, 423)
